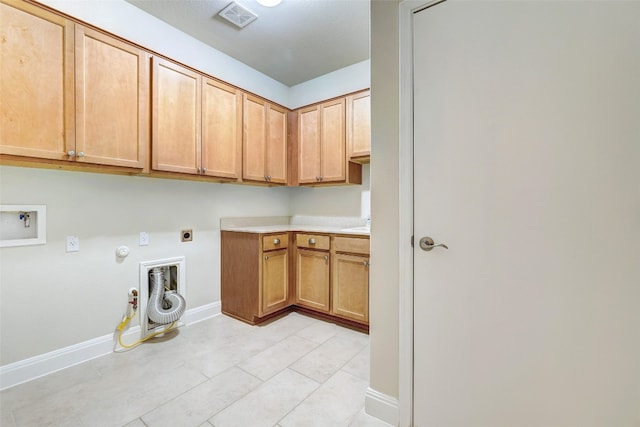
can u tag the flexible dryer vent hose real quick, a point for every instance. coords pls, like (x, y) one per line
(159, 299)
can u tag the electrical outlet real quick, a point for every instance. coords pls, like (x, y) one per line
(186, 235)
(144, 238)
(73, 243)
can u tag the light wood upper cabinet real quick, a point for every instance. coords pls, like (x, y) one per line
(276, 154)
(309, 145)
(264, 141)
(333, 148)
(254, 139)
(321, 145)
(197, 123)
(312, 279)
(112, 100)
(359, 127)
(72, 93)
(221, 130)
(90, 100)
(36, 82)
(176, 115)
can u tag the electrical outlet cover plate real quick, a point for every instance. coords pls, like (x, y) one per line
(186, 235)
(73, 244)
(144, 238)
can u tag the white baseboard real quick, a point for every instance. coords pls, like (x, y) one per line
(48, 363)
(203, 312)
(381, 406)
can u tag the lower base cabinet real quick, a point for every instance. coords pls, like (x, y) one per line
(263, 274)
(351, 287)
(312, 279)
(275, 281)
(255, 276)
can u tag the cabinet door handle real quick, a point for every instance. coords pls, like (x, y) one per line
(276, 241)
(326, 257)
(80, 153)
(365, 263)
(312, 241)
(266, 257)
(317, 178)
(71, 153)
(204, 170)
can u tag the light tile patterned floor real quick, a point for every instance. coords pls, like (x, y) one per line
(295, 371)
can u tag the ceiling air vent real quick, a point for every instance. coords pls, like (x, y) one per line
(238, 15)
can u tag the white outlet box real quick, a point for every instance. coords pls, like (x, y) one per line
(144, 238)
(73, 243)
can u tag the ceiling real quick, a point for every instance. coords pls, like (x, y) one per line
(291, 43)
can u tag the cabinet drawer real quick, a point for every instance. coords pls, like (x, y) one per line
(313, 241)
(351, 244)
(275, 241)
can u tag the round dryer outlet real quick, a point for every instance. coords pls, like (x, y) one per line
(186, 235)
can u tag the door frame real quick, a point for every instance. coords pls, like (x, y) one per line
(405, 210)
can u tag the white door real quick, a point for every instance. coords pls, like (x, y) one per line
(527, 166)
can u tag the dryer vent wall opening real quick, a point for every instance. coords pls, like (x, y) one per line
(162, 293)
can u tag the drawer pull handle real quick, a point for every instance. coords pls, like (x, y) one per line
(266, 257)
(276, 241)
(312, 241)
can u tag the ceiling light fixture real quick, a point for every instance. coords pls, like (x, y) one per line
(269, 3)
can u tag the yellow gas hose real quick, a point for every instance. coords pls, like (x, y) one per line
(125, 322)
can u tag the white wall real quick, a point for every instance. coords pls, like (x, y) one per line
(347, 200)
(51, 299)
(383, 292)
(345, 80)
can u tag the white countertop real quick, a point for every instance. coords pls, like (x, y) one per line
(261, 225)
(359, 231)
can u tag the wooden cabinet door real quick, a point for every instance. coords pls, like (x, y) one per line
(254, 139)
(309, 145)
(112, 100)
(36, 82)
(359, 125)
(351, 287)
(221, 130)
(312, 279)
(276, 155)
(275, 281)
(333, 151)
(176, 118)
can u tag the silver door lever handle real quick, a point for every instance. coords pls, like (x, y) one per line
(427, 243)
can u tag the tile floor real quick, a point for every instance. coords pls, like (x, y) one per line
(295, 371)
